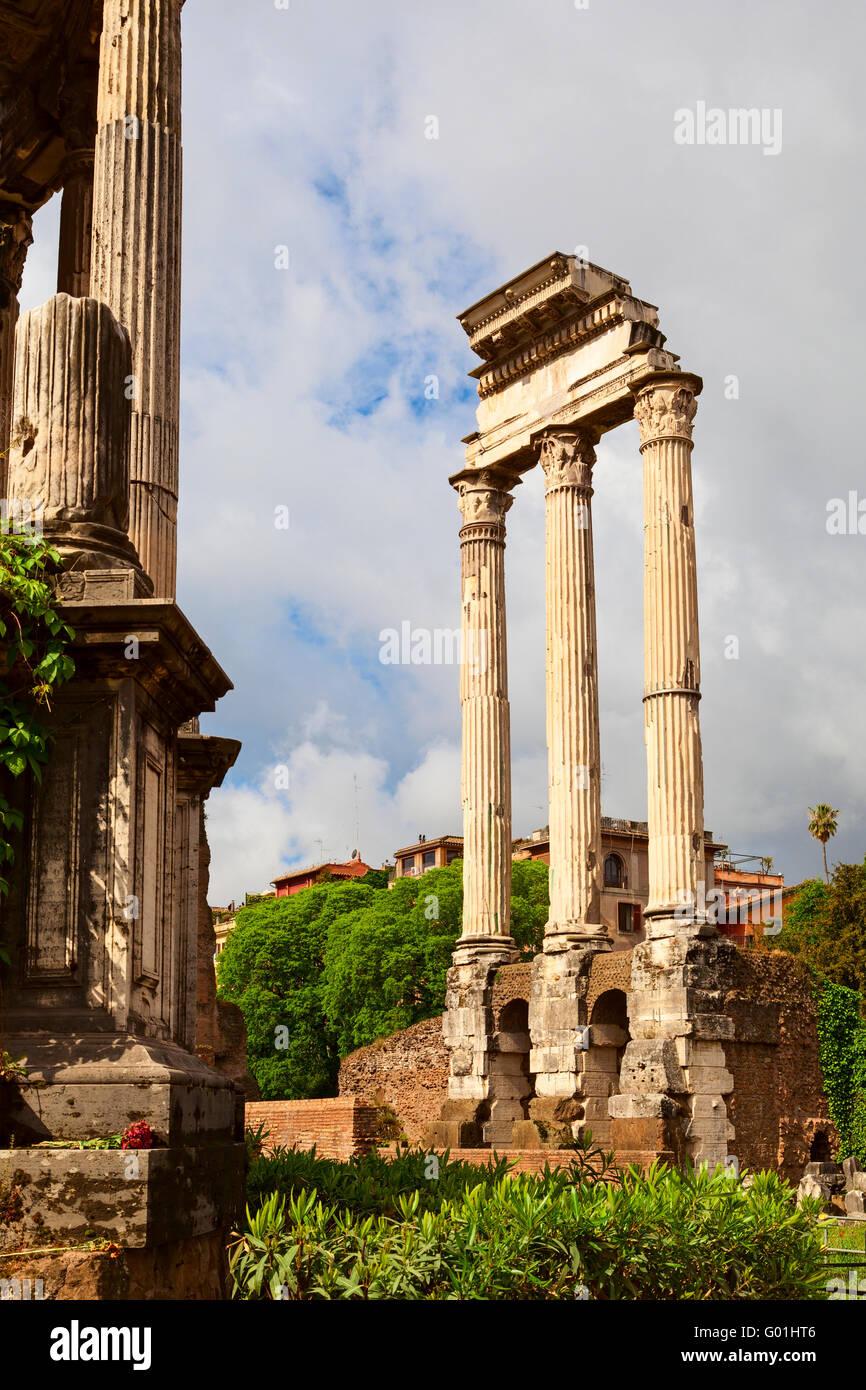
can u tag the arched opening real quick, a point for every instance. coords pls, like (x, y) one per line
(820, 1151)
(614, 872)
(608, 1036)
(510, 1086)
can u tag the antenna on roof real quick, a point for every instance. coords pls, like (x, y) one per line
(357, 820)
(321, 845)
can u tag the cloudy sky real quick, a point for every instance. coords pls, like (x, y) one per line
(329, 244)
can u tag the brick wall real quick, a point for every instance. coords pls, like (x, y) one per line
(337, 1126)
(408, 1072)
(778, 1102)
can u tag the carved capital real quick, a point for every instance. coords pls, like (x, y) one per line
(485, 500)
(567, 457)
(16, 234)
(665, 411)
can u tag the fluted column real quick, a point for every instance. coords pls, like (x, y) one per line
(76, 225)
(665, 407)
(486, 779)
(574, 759)
(136, 251)
(70, 459)
(16, 234)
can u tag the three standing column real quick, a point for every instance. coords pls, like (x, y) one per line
(136, 252)
(486, 783)
(574, 757)
(665, 407)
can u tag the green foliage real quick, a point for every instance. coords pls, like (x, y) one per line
(472, 1233)
(33, 663)
(842, 1053)
(825, 925)
(344, 963)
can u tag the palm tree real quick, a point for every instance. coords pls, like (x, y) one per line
(822, 826)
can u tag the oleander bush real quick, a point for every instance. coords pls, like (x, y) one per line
(375, 1229)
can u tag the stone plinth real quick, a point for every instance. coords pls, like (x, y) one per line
(674, 1077)
(134, 1198)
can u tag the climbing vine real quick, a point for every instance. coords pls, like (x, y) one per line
(842, 1052)
(34, 662)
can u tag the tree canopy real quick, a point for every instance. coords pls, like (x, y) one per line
(825, 924)
(341, 964)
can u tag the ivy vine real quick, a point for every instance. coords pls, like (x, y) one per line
(34, 663)
(842, 1053)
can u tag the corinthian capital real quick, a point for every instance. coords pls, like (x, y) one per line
(567, 457)
(666, 408)
(484, 499)
(16, 234)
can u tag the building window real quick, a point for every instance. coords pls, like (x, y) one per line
(614, 872)
(409, 864)
(428, 859)
(452, 854)
(625, 917)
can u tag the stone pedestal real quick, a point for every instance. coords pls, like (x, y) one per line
(674, 1078)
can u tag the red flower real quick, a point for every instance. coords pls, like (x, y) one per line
(137, 1136)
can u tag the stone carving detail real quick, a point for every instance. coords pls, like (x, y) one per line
(567, 457)
(665, 410)
(484, 503)
(16, 234)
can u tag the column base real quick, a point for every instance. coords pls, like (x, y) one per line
(492, 950)
(568, 936)
(663, 924)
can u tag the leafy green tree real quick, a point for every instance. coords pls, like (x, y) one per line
(825, 925)
(822, 826)
(271, 967)
(339, 965)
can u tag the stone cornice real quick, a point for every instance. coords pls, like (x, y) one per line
(173, 663)
(203, 761)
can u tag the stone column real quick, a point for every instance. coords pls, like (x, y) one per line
(76, 224)
(674, 1077)
(136, 251)
(486, 778)
(469, 1116)
(78, 123)
(665, 407)
(574, 759)
(16, 235)
(69, 466)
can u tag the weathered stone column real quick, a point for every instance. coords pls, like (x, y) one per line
(486, 781)
(574, 758)
(674, 1078)
(70, 460)
(665, 408)
(76, 224)
(136, 251)
(469, 1116)
(78, 123)
(16, 234)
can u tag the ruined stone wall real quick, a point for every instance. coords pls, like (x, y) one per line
(220, 1031)
(408, 1072)
(512, 982)
(778, 1102)
(609, 970)
(338, 1126)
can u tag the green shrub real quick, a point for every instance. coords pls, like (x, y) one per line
(842, 1054)
(368, 1233)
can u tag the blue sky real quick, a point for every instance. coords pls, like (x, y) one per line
(304, 388)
